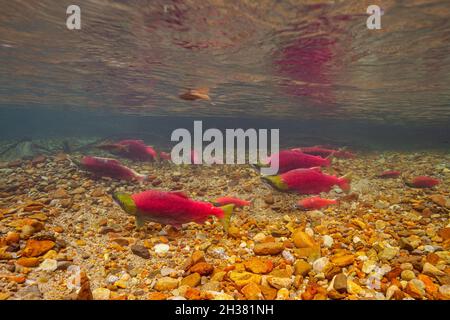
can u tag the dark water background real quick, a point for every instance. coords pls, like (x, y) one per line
(310, 68)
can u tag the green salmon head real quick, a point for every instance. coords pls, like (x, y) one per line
(126, 202)
(276, 182)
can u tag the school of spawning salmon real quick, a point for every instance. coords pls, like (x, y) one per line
(328, 226)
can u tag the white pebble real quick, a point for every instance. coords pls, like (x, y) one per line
(309, 232)
(49, 265)
(161, 248)
(259, 237)
(320, 264)
(327, 241)
(165, 271)
(288, 256)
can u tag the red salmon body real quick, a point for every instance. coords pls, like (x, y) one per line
(389, 174)
(107, 167)
(137, 150)
(315, 203)
(289, 160)
(230, 200)
(423, 182)
(173, 208)
(307, 181)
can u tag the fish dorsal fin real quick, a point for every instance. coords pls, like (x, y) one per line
(180, 194)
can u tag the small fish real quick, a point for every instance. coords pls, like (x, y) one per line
(172, 208)
(315, 203)
(389, 174)
(308, 181)
(132, 149)
(239, 203)
(422, 182)
(165, 156)
(289, 160)
(107, 167)
(196, 94)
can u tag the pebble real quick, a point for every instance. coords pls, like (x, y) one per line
(415, 288)
(268, 248)
(191, 280)
(49, 265)
(259, 237)
(407, 275)
(278, 282)
(165, 271)
(161, 248)
(166, 284)
(319, 264)
(301, 267)
(202, 268)
(431, 270)
(252, 291)
(388, 253)
(340, 283)
(258, 265)
(303, 240)
(445, 291)
(101, 294)
(140, 251)
(327, 241)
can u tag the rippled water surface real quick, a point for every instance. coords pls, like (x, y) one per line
(284, 59)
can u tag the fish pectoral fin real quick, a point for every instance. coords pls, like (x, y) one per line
(139, 222)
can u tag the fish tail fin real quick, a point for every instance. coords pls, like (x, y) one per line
(329, 159)
(275, 181)
(74, 162)
(125, 201)
(344, 182)
(227, 214)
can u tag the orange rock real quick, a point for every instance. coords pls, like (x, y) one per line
(20, 223)
(202, 268)
(18, 279)
(12, 237)
(343, 261)
(413, 290)
(269, 293)
(58, 229)
(268, 248)
(394, 273)
(157, 296)
(430, 287)
(444, 233)
(303, 240)
(193, 294)
(35, 248)
(85, 292)
(252, 291)
(198, 256)
(258, 265)
(28, 262)
(433, 258)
